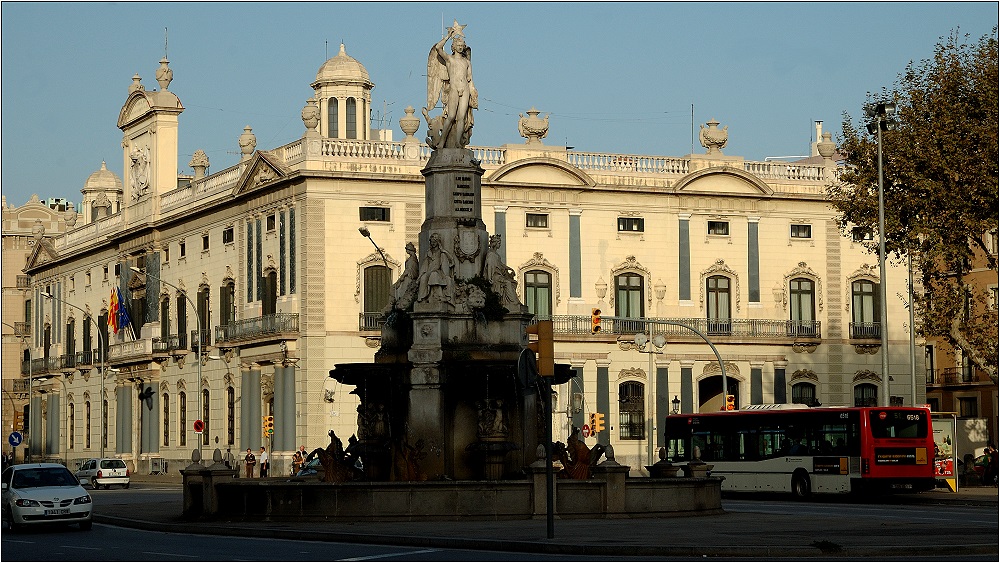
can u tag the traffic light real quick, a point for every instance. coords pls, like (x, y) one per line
(730, 402)
(598, 423)
(268, 425)
(595, 321)
(593, 422)
(18, 421)
(543, 347)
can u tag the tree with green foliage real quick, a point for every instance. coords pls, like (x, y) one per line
(940, 189)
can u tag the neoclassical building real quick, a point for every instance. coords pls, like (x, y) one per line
(261, 265)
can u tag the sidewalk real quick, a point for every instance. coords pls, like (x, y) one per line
(732, 534)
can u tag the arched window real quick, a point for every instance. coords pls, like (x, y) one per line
(377, 290)
(206, 408)
(333, 122)
(182, 416)
(165, 319)
(230, 416)
(352, 118)
(166, 419)
(538, 293)
(804, 393)
(269, 305)
(802, 307)
(72, 426)
(865, 395)
(70, 343)
(632, 411)
(628, 295)
(86, 438)
(205, 314)
(718, 305)
(182, 336)
(864, 304)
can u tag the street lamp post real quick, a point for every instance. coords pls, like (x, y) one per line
(27, 440)
(197, 319)
(100, 348)
(879, 114)
(656, 344)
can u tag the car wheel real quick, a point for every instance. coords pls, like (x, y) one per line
(86, 525)
(800, 486)
(125, 486)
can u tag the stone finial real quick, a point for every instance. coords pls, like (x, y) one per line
(532, 127)
(136, 84)
(164, 74)
(409, 123)
(248, 142)
(70, 215)
(310, 115)
(199, 162)
(713, 138)
(827, 148)
(38, 230)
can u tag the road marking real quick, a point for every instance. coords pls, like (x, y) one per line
(81, 547)
(172, 554)
(19, 541)
(387, 555)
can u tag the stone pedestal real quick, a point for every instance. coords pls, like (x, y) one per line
(200, 498)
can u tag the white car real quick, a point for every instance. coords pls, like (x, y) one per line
(104, 472)
(44, 493)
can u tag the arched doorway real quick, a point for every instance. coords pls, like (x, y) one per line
(710, 397)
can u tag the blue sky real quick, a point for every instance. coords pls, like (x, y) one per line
(616, 77)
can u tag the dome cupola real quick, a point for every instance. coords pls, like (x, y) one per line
(343, 93)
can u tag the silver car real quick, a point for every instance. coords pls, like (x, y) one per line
(41, 493)
(104, 473)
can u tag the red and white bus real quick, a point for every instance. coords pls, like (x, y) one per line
(801, 450)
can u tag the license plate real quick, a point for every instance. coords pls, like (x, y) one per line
(902, 486)
(56, 511)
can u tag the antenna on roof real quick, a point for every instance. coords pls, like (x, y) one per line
(326, 46)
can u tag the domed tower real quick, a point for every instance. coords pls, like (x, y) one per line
(344, 93)
(102, 195)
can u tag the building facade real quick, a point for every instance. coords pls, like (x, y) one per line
(247, 285)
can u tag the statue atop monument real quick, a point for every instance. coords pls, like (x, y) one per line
(449, 79)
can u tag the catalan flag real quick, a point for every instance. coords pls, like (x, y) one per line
(113, 308)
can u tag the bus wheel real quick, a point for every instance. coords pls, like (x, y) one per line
(800, 485)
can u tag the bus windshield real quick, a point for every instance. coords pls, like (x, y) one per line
(898, 424)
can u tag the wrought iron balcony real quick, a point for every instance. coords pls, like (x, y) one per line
(258, 329)
(45, 365)
(86, 358)
(959, 376)
(866, 331)
(206, 339)
(371, 321)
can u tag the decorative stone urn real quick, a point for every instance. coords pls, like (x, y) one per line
(248, 142)
(409, 123)
(713, 138)
(199, 162)
(826, 147)
(164, 75)
(310, 115)
(532, 127)
(70, 215)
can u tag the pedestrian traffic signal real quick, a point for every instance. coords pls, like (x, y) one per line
(543, 347)
(598, 423)
(595, 321)
(730, 402)
(268, 425)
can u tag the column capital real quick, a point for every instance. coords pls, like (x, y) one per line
(683, 216)
(575, 211)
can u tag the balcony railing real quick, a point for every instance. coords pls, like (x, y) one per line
(956, 375)
(739, 328)
(866, 331)
(22, 328)
(67, 361)
(370, 321)
(257, 327)
(20, 386)
(206, 339)
(86, 358)
(45, 365)
(23, 282)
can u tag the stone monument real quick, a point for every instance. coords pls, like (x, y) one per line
(444, 398)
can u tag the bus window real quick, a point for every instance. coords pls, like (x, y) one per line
(898, 424)
(676, 450)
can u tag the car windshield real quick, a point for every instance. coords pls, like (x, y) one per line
(112, 464)
(43, 477)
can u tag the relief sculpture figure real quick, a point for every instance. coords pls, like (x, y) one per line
(436, 273)
(500, 276)
(449, 79)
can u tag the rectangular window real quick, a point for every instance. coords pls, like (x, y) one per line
(374, 213)
(72, 283)
(630, 224)
(118, 269)
(718, 228)
(227, 235)
(968, 407)
(88, 278)
(802, 231)
(204, 243)
(105, 273)
(537, 220)
(270, 222)
(166, 254)
(861, 234)
(182, 249)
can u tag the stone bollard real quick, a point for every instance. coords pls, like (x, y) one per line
(613, 474)
(200, 498)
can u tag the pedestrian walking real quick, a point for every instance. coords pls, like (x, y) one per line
(249, 461)
(264, 464)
